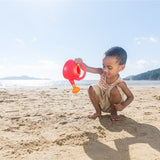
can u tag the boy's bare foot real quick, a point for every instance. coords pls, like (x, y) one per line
(94, 115)
(115, 118)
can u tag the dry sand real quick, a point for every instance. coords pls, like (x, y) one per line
(52, 124)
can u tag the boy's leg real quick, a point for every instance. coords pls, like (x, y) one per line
(115, 98)
(95, 101)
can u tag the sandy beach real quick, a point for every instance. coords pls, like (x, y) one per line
(52, 124)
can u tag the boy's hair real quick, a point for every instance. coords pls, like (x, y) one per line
(119, 53)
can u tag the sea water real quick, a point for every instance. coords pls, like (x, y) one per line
(65, 83)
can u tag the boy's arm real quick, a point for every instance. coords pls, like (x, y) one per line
(88, 68)
(93, 70)
(129, 99)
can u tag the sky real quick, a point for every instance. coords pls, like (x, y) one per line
(38, 36)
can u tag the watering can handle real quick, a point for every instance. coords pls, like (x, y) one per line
(84, 72)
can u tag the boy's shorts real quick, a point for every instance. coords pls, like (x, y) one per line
(104, 97)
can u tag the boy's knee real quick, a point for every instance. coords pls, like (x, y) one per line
(115, 93)
(90, 89)
(115, 96)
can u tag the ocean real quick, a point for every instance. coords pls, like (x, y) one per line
(65, 83)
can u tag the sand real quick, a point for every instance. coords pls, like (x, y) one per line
(52, 124)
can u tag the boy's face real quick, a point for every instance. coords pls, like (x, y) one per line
(111, 66)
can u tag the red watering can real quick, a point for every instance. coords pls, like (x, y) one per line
(72, 71)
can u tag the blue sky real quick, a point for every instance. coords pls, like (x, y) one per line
(38, 36)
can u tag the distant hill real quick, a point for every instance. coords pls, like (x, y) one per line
(150, 75)
(22, 78)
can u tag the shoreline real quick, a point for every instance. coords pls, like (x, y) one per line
(65, 83)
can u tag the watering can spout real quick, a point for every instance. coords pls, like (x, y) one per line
(75, 89)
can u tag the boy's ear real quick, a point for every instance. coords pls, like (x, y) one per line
(122, 67)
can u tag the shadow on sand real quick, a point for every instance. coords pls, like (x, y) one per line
(140, 133)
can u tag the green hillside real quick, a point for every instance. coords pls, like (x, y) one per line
(150, 75)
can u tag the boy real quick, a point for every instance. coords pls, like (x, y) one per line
(108, 95)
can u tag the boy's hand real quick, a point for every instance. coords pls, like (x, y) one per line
(119, 107)
(78, 60)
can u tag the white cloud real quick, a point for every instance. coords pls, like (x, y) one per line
(2, 67)
(47, 64)
(152, 39)
(140, 40)
(42, 69)
(142, 64)
(3, 60)
(34, 39)
(20, 42)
